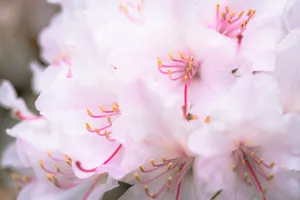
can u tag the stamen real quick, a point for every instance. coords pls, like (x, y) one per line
(230, 25)
(132, 10)
(252, 169)
(78, 164)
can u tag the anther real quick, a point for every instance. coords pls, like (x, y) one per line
(49, 177)
(271, 165)
(89, 112)
(54, 179)
(207, 120)
(88, 127)
(186, 78)
(42, 164)
(109, 120)
(218, 7)
(159, 63)
(270, 177)
(57, 168)
(170, 166)
(101, 108)
(137, 177)
(170, 56)
(260, 161)
(163, 158)
(170, 180)
(69, 161)
(153, 162)
(234, 167)
(241, 14)
(252, 154)
(227, 9)
(246, 175)
(142, 168)
(106, 134)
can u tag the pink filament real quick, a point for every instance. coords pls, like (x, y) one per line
(185, 100)
(92, 188)
(103, 116)
(78, 163)
(178, 191)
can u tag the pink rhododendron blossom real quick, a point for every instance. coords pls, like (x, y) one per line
(182, 99)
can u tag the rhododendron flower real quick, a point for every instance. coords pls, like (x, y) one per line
(247, 151)
(46, 158)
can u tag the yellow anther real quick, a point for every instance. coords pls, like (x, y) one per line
(146, 188)
(54, 179)
(15, 176)
(181, 55)
(227, 9)
(260, 161)
(106, 134)
(170, 56)
(265, 190)
(55, 59)
(241, 14)
(218, 8)
(223, 16)
(89, 112)
(186, 78)
(246, 175)
(163, 158)
(159, 63)
(170, 165)
(57, 168)
(42, 164)
(207, 119)
(137, 177)
(249, 12)
(234, 167)
(153, 162)
(63, 55)
(252, 154)
(271, 165)
(170, 180)
(69, 161)
(176, 170)
(270, 177)
(97, 131)
(243, 162)
(232, 15)
(101, 108)
(108, 119)
(115, 107)
(253, 13)
(88, 127)
(49, 153)
(49, 177)
(26, 179)
(170, 72)
(142, 168)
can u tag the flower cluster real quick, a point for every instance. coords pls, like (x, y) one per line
(182, 99)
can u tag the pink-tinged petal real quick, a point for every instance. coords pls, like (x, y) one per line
(213, 174)
(10, 157)
(288, 71)
(10, 100)
(291, 14)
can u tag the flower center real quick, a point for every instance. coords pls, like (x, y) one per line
(252, 170)
(185, 70)
(232, 24)
(132, 10)
(169, 173)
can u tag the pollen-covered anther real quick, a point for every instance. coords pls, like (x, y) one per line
(170, 165)
(234, 167)
(54, 179)
(49, 177)
(270, 177)
(137, 177)
(57, 168)
(141, 168)
(163, 159)
(153, 162)
(42, 164)
(207, 119)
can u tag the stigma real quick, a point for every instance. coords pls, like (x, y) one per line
(232, 24)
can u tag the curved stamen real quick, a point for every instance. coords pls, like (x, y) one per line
(78, 164)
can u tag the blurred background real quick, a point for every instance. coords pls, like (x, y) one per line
(20, 24)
